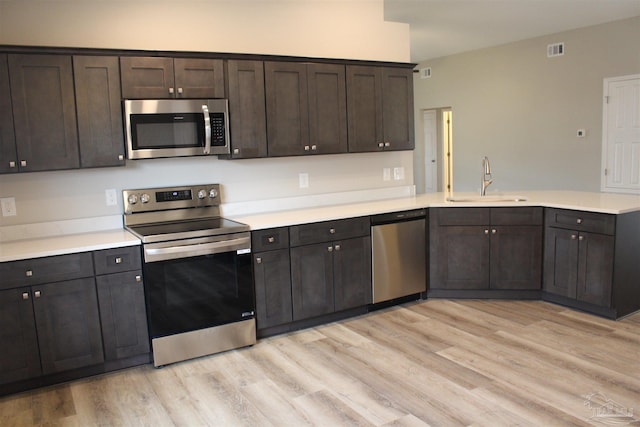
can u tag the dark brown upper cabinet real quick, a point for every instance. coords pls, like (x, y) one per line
(247, 114)
(8, 155)
(100, 131)
(306, 108)
(146, 77)
(44, 112)
(380, 108)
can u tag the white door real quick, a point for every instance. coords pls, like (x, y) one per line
(621, 135)
(430, 121)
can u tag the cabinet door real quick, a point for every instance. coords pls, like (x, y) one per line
(68, 325)
(123, 315)
(97, 85)
(19, 358)
(364, 108)
(460, 258)
(147, 77)
(561, 262)
(272, 274)
(516, 257)
(199, 78)
(287, 108)
(44, 112)
(595, 268)
(327, 108)
(397, 112)
(8, 156)
(312, 280)
(352, 273)
(247, 109)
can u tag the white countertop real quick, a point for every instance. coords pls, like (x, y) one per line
(594, 202)
(64, 242)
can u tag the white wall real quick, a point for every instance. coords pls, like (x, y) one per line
(522, 109)
(315, 28)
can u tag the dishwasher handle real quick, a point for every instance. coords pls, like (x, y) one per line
(398, 217)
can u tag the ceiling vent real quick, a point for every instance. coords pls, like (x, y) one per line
(555, 49)
(425, 73)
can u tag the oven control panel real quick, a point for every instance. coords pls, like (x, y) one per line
(168, 198)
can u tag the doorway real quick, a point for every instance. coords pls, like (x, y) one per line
(438, 150)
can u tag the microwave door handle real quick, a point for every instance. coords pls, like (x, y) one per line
(207, 130)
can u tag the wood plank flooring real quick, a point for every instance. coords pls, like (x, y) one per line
(434, 362)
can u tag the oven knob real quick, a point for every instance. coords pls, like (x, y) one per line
(132, 199)
(145, 198)
(213, 193)
(202, 194)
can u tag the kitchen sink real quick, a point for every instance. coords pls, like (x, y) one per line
(479, 199)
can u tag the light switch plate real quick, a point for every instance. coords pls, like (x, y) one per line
(110, 197)
(303, 180)
(8, 206)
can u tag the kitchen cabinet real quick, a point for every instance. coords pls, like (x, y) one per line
(121, 300)
(99, 111)
(151, 77)
(8, 155)
(50, 308)
(272, 275)
(380, 108)
(306, 108)
(247, 115)
(44, 112)
(579, 255)
(330, 266)
(498, 249)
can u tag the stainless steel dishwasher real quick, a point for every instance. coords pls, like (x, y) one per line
(399, 263)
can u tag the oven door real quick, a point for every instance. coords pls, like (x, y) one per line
(198, 283)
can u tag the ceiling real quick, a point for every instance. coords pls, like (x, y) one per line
(445, 27)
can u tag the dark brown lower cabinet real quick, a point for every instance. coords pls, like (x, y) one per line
(273, 288)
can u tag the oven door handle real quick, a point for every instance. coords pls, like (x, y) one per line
(192, 250)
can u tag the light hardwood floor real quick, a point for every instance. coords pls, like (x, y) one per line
(434, 362)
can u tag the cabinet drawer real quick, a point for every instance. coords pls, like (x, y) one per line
(270, 239)
(581, 221)
(460, 216)
(329, 230)
(516, 216)
(45, 270)
(117, 259)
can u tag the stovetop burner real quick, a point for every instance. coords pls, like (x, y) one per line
(159, 232)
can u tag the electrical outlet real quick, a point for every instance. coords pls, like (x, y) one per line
(110, 196)
(581, 133)
(8, 206)
(386, 174)
(303, 180)
(398, 173)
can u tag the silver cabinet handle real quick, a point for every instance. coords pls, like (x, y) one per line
(258, 260)
(271, 239)
(581, 238)
(25, 295)
(574, 237)
(236, 151)
(138, 278)
(314, 147)
(332, 231)
(12, 164)
(579, 221)
(330, 248)
(23, 163)
(387, 144)
(486, 231)
(120, 157)
(171, 90)
(207, 129)
(37, 294)
(494, 231)
(380, 144)
(29, 273)
(306, 148)
(118, 260)
(337, 247)
(180, 91)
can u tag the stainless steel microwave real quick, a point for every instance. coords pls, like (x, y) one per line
(176, 127)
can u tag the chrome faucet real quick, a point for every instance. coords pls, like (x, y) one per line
(486, 176)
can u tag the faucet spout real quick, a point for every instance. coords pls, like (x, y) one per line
(486, 176)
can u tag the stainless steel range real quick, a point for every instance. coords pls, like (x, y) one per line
(197, 271)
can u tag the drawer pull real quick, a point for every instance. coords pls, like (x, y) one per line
(37, 294)
(486, 231)
(25, 295)
(330, 248)
(332, 231)
(494, 231)
(581, 238)
(258, 260)
(337, 247)
(29, 273)
(579, 221)
(118, 260)
(574, 237)
(271, 239)
(138, 278)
